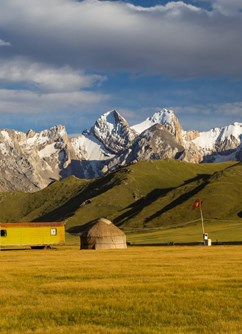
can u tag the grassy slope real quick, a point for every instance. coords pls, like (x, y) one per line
(221, 195)
(147, 194)
(17, 206)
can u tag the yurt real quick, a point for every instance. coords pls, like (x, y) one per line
(102, 234)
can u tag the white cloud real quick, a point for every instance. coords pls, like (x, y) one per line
(56, 44)
(205, 117)
(228, 6)
(208, 116)
(45, 77)
(4, 43)
(176, 39)
(218, 109)
(229, 109)
(28, 102)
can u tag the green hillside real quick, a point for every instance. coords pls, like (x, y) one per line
(150, 194)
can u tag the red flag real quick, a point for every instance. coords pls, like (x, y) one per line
(196, 204)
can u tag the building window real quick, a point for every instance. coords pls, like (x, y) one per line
(53, 231)
(3, 233)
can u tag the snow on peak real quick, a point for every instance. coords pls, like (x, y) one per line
(217, 136)
(6, 136)
(163, 117)
(89, 147)
(110, 121)
(55, 133)
(234, 130)
(112, 130)
(107, 124)
(111, 116)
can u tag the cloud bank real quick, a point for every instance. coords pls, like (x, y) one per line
(55, 55)
(176, 39)
(45, 77)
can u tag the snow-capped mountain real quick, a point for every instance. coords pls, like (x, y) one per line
(164, 117)
(31, 161)
(110, 135)
(220, 144)
(154, 143)
(113, 131)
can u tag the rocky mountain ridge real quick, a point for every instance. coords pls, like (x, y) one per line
(29, 162)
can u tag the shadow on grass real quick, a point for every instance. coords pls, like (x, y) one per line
(81, 228)
(135, 208)
(86, 194)
(240, 214)
(181, 199)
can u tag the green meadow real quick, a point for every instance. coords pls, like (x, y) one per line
(146, 195)
(155, 290)
(151, 201)
(219, 231)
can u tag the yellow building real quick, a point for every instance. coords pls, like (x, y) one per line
(38, 235)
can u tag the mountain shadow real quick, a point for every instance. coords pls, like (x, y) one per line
(210, 158)
(136, 207)
(181, 199)
(85, 196)
(83, 169)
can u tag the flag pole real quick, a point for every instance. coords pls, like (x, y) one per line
(201, 212)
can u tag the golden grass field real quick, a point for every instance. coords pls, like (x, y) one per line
(170, 290)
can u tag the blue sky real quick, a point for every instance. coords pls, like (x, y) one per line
(68, 61)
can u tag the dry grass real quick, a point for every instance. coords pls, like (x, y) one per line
(139, 290)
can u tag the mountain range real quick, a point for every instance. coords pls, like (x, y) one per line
(31, 161)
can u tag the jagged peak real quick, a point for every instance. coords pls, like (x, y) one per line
(163, 116)
(221, 139)
(112, 117)
(56, 130)
(236, 126)
(112, 130)
(109, 123)
(56, 133)
(30, 133)
(110, 113)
